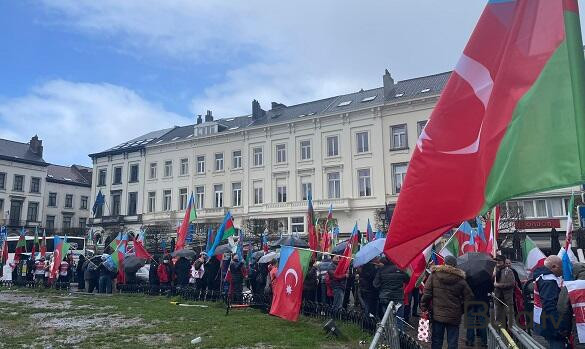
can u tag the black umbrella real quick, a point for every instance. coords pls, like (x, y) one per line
(291, 241)
(221, 249)
(478, 268)
(185, 252)
(133, 263)
(339, 248)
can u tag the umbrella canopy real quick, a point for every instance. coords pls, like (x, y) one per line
(339, 248)
(369, 252)
(291, 241)
(133, 263)
(222, 249)
(478, 268)
(185, 252)
(268, 257)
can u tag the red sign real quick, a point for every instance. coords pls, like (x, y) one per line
(538, 224)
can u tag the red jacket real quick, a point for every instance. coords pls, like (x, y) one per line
(163, 273)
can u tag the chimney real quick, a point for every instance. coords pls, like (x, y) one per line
(257, 111)
(208, 116)
(36, 146)
(389, 86)
(199, 119)
(276, 105)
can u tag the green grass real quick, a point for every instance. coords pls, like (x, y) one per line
(36, 319)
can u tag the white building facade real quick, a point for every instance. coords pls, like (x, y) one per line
(349, 151)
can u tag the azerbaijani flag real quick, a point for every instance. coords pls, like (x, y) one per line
(35, 243)
(369, 232)
(533, 256)
(43, 247)
(225, 231)
(190, 216)
(345, 260)
(20, 246)
(60, 251)
(510, 121)
(288, 288)
(313, 241)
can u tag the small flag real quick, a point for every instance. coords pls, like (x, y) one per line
(99, 202)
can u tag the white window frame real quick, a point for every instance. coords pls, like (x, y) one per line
(258, 193)
(184, 169)
(362, 146)
(219, 162)
(333, 147)
(151, 201)
(281, 193)
(364, 182)
(563, 208)
(305, 150)
(258, 154)
(237, 194)
(168, 168)
(167, 200)
(280, 151)
(183, 198)
(236, 159)
(152, 170)
(295, 224)
(394, 167)
(399, 137)
(201, 164)
(420, 126)
(336, 192)
(218, 195)
(200, 197)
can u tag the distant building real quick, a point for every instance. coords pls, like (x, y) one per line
(34, 193)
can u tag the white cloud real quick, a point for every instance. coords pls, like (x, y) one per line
(286, 51)
(75, 119)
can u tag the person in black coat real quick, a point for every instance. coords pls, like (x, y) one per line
(237, 275)
(182, 271)
(212, 277)
(476, 318)
(390, 281)
(367, 292)
(152, 274)
(310, 283)
(79, 273)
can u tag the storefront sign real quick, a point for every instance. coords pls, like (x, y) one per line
(538, 224)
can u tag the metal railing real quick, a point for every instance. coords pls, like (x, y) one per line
(524, 340)
(495, 341)
(389, 335)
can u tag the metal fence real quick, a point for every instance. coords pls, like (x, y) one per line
(388, 334)
(523, 339)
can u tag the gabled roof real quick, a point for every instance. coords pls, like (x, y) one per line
(67, 175)
(405, 90)
(19, 152)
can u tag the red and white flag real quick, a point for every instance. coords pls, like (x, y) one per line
(577, 297)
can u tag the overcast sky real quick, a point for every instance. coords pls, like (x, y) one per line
(87, 75)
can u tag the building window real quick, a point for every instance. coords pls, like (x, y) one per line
(306, 187)
(534, 208)
(35, 185)
(297, 224)
(166, 200)
(117, 175)
(2, 208)
(280, 190)
(237, 159)
(52, 200)
(152, 170)
(200, 197)
(364, 182)
(15, 211)
(420, 126)
(68, 201)
(363, 144)
(33, 211)
(258, 193)
(66, 221)
(258, 156)
(333, 185)
(116, 204)
(151, 201)
(50, 223)
(513, 209)
(2, 180)
(556, 207)
(281, 153)
(182, 199)
(133, 173)
(218, 190)
(82, 223)
(398, 174)
(168, 168)
(83, 204)
(219, 161)
(332, 146)
(540, 206)
(201, 164)
(132, 203)
(398, 137)
(237, 194)
(184, 167)
(102, 178)
(18, 184)
(305, 150)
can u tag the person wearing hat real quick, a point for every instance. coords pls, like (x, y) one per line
(445, 294)
(504, 283)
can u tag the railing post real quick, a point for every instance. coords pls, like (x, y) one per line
(382, 328)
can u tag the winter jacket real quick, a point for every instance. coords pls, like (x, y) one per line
(237, 271)
(182, 271)
(505, 284)
(336, 283)
(310, 283)
(390, 281)
(153, 274)
(548, 288)
(366, 278)
(164, 273)
(564, 304)
(446, 291)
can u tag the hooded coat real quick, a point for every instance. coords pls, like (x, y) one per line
(390, 280)
(447, 292)
(548, 289)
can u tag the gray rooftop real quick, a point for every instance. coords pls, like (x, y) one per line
(19, 152)
(405, 90)
(68, 175)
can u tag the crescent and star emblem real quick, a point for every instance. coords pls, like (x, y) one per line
(288, 286)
